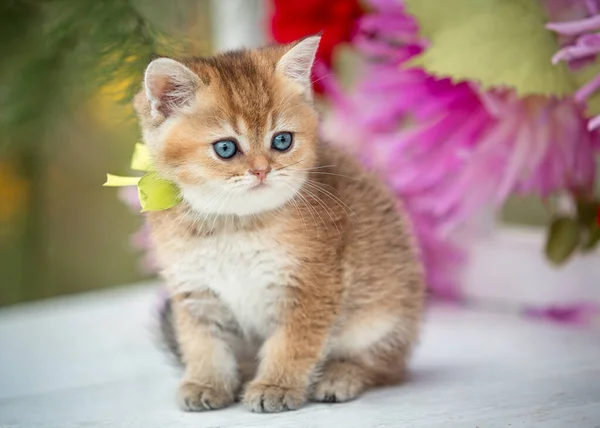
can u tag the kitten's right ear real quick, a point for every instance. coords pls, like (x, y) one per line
(297, 62)
(169, 86)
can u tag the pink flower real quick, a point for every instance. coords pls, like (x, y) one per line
(582, 41)
(129, 195)
(582, 314)
(140, 240)
(451, 150)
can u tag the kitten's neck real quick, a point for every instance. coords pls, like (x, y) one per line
(197, 223)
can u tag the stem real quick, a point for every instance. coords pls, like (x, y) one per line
(33, 168)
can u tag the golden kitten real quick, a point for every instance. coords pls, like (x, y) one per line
(283, 250)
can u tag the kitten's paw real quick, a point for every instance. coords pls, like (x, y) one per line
(261, 398)
(337, 385)
(193, 397)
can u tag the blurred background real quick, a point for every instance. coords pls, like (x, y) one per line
(69, 69)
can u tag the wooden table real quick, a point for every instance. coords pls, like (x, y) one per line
(91, 361)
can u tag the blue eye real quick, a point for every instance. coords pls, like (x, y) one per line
(282, 141)
(225, 149)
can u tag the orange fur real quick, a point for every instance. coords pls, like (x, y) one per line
(332, 268)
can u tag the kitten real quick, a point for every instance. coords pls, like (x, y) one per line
(283, 250)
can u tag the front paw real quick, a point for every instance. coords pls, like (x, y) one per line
(193, 397)
(264, 398)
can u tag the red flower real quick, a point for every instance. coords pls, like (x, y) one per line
(292, 20)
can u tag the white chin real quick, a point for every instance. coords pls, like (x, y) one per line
(240, 202)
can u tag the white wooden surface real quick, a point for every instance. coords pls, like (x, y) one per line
(507, 268)
(91, 361)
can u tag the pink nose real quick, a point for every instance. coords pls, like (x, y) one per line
(261, 173)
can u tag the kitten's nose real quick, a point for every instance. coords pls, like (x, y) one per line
(261, 173)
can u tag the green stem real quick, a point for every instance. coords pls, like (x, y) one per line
(33, 168)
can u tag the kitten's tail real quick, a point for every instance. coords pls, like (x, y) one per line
(168, 335)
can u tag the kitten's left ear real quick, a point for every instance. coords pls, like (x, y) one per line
(298, 61)
(169, 86)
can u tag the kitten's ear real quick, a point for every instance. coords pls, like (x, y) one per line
(169, 86)
(298, 61)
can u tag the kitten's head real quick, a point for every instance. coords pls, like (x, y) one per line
(236, 132)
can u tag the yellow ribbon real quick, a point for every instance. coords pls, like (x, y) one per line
(155, 194)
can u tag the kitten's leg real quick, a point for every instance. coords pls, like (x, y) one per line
(340, 381)
(352, 368)
(291, 354)
(210, 379)
(343, 380)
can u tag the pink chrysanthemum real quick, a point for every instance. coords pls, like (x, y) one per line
(581, 39)
(450, 150)
(582, 314)
(140, 240)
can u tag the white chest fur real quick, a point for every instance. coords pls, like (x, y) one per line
(247, 271)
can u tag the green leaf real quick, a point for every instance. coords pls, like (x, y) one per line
(591, 238)
(586, 211)
(157, 194)
(563, 238)
(56, 54)
(493, 42)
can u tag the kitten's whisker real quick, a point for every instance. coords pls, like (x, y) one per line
(335, 174)
(225, 205)
(289, 97)
(189, 216)
(314, 167)
(220, 196)
(327, 210)
(322, 184)
(315, 185)
(183, 218)
(217, 214)
(295, 204)
(218, 193)
(320, 78)
(290, 109)
(336, 199)
(311, 209)
(286, 166)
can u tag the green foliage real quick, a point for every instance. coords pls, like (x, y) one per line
(54, 56)
(54, 53)
(563, 239)
(567, 234)
(587, 210)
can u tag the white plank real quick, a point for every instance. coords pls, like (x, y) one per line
(530, 280)
(91, 361)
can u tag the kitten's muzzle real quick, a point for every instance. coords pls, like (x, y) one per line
(260, 173)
